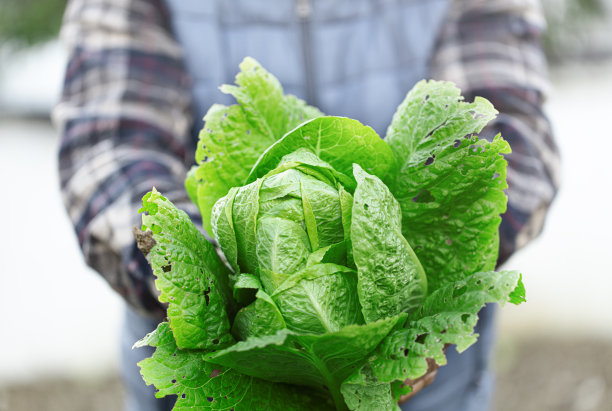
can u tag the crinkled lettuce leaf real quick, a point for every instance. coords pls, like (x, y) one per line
(447, 316)
(332, 139)
(391, 278)
(450, 183)
(190, 275)
(364, 392)
(321, 361)
(200, 385)
(234, 137)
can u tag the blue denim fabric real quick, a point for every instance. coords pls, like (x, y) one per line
(464, 384)
(139, 396)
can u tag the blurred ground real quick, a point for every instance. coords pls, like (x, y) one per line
(540, 374)
(61, 321)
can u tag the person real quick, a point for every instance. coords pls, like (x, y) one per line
(142, 72)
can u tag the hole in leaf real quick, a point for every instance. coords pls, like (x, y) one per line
(206, 297)
(421, 338)
(215, 341)
(167, 268)
(183, 396)
(248, 132)
(173, 381)
(210, 399)
(430, 160)
(457, 143)
(465, 318)
(406, 351)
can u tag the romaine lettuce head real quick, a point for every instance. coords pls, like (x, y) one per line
(315, 257)
(349, 260)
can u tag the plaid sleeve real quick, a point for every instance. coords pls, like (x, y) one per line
(491, 48)
(124, 121)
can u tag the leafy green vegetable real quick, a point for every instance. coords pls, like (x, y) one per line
(351, 261)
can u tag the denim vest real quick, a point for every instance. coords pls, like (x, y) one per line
(354, 58)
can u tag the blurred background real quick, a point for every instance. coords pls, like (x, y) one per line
(60, 324)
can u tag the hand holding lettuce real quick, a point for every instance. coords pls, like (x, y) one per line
(352, 259)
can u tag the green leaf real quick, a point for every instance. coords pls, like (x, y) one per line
(433, 114)
(245, 208)
(322, 362)
(304, 160)
(191, 185)
(200, 385)
(391, 278)
(260, 318)
(456, 233)
(447, 316)
(346, 205)
(518, 295)
(223, 228)
(233, 137)
(332, 139)
(271, 280)
(334, 253)
(363, 392)
(191, 277)
(282, 245)
(261, 96)
(450, 184)
(320, 299)
(245, 288)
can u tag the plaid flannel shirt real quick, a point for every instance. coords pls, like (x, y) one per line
(125, 121)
